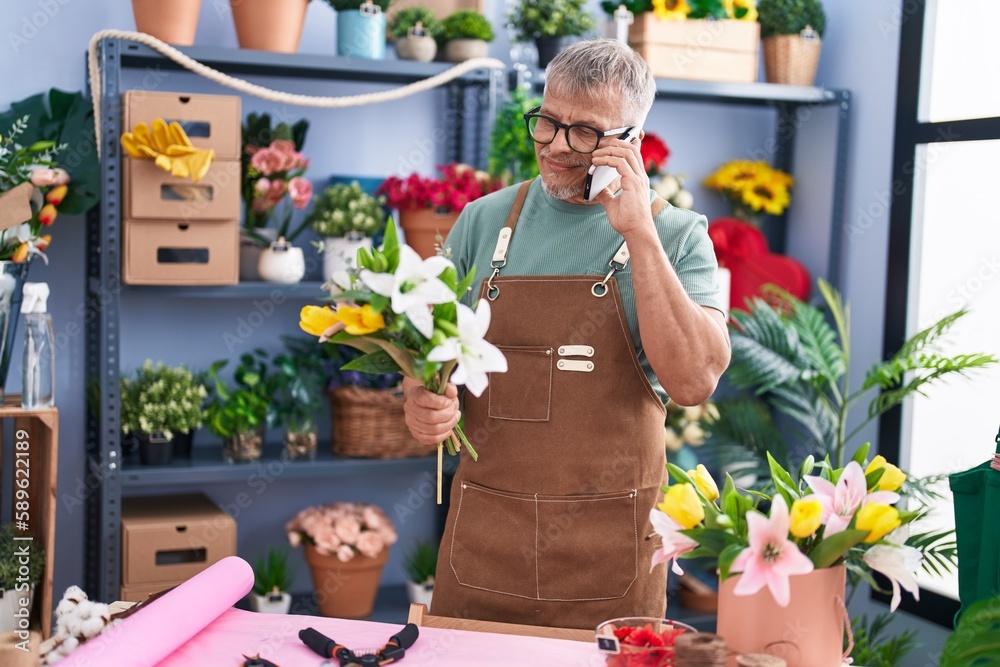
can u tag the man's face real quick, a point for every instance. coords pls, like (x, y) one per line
(563, 170)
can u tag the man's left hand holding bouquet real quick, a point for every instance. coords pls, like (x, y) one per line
(403, 313)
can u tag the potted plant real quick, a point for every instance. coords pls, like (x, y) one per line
(791, 31)
(161, 407)
(346, 547)
(551, 24)
(272, 577)
(361, 27)
(273, 185)
(420, 564)
(239, 415)
(413, 29)
(346, 217)
(465, 35)
(429, 207)
(16, 589)
(173, 21)
(269, 25)
(511, 157)
(298, 382)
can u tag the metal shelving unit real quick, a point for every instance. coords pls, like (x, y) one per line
(789, 103)
(471, 102)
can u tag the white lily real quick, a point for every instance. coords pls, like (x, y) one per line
(413, 287)
(675, 543)
(898, 563)
(476, 357)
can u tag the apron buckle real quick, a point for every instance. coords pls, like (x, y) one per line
(492, 291)
(601, 289)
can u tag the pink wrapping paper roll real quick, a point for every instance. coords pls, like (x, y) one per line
(166, 624)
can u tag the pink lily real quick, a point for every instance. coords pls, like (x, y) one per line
(840, 502)
(898, 563)
(675, 543)
(771, 557)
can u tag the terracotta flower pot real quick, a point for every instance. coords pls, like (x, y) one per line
(422, 226)
(269, 25)
(809, 632)
(345, 590)
(173, 21)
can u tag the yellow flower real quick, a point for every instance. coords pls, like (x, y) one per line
(766, 194)
(805, 517)
(681, 503)
(671, 10)
(703, 480)
(360, 321)
(891, 479)
(743, 10)
(733, 175)
(315, 319)
(878, 519)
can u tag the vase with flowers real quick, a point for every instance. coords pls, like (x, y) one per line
(273, 188)
(346, 546)
(428, 207)
(753, 188)
(346, 218)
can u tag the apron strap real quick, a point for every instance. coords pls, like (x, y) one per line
(620, 259)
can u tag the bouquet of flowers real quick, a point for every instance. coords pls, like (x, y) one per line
(275, 172)
(752, 187)
(840, 516)
(403, 313)
(343, 530)
(654, 157)
(31, 189)
(459, 185)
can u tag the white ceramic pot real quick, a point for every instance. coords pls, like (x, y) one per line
(281, 263)
(250, 251)
(420, 593)
(272, 603)
(15, 610)
(339, 253)
(422, 49)
(460, 50)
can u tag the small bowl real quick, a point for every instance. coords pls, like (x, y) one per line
(626, 655)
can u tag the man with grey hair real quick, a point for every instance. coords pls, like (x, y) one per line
(603, 309)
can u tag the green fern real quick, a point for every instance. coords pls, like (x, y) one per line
(873, 647)
(741, 438)
(976, 640)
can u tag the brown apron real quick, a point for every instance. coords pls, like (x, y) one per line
(548, 527)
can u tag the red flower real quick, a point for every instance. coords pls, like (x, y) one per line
(643, 647)
(459, 185)
(654, 154)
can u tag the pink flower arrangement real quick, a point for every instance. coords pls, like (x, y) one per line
(459, 185)
(343, 530)
(274, 173)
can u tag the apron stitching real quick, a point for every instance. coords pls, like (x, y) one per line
(629, 494)
(528, 597)
(548, 407)
(451, 555)
(538, 589)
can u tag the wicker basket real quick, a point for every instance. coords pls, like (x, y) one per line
(791, 59)
(370, 423)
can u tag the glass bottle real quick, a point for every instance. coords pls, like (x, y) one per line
(39, 369)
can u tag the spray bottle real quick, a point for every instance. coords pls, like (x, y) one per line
(39, 369)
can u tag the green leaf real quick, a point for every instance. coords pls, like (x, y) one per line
(787, 486)
(379, 303)
(466, 283)
(712, 539)
(378, 363)
(365, 259)
(861, 455)
(830, 549)
(726, 558)
(390, 240)
(679, 475)
(976, 640)
(872, 478)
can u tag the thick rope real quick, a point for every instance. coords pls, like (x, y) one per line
(93, 67)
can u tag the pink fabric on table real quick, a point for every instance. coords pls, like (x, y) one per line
(276, 637)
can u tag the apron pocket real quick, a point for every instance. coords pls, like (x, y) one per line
(524, 392)
(493, 541)
(588, 546)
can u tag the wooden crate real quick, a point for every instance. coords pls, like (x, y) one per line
(35, 440)
(725, 50)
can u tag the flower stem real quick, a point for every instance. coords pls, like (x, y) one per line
(440, 472)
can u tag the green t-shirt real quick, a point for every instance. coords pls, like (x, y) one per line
(554, 237)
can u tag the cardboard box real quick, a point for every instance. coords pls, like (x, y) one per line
(166, 539)
(167, 252)
(725, 50)
(150, 193)
(211, 121)
(139, 592)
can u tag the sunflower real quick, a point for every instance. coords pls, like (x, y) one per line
(733, 175)
(766, 193)
(743, 10)
(671, 10)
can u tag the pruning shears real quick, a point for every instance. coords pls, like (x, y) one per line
(394, 650)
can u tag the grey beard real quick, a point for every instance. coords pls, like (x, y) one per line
(564, 192)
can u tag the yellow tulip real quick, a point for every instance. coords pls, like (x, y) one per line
(891, 479)
(682, 504)
(805, 517)
(878, 519)
(315, 319)
(703, 480)
(360, 321)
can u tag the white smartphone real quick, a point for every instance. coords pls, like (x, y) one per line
(600, 177)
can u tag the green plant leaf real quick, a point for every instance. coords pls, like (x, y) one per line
(861, 455)
(379, 363)
(726, 558)
(976, 640)
(787, 487)
(830, 549)
(872, 478)
(679, 475)
(713, 540)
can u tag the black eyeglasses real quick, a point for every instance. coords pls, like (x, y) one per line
(581, 138)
